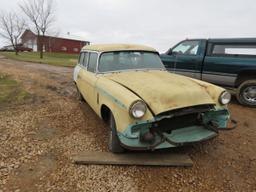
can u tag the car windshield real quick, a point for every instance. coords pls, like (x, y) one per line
(128, 60)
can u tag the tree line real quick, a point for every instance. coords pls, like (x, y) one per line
(38, 16)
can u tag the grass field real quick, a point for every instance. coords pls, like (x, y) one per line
(58, 59)
(11, 91)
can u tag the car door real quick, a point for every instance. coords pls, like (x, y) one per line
(188, 58)
(88, 79)
(168, 60)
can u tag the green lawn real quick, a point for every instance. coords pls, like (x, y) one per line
(58, 59)
(11, 90)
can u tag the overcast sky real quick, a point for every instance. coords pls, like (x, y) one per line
(157, 23)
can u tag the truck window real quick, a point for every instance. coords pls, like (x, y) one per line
(92, 64)
(187, 48)
(234, 50)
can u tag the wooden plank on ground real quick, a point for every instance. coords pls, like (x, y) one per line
(150, 159)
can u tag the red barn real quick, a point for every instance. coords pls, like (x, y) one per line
(66, 44)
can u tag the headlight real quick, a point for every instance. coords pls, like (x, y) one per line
(138, 109)
(225, 98)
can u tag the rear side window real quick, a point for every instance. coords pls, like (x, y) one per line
(81, 58)
(86, 58)
(234, 50)
(92, 64)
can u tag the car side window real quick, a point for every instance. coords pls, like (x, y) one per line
(187, 48)
(92, 64)
(81, 58)
(86, 58)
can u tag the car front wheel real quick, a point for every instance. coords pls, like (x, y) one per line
(246, 94)
(113, 141)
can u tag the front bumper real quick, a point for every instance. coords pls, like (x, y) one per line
(172, 131)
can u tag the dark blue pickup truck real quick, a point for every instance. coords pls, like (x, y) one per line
(225, 62)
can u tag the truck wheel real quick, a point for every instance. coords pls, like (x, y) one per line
(79, 95)
(113, 141)
(246, 93)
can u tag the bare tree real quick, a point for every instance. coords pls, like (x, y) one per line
(41, 15)
(11, 27)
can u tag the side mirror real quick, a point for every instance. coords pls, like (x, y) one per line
(169, 52)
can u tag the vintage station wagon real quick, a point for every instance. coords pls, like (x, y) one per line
(146, 106)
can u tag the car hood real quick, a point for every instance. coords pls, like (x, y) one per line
(164, 91)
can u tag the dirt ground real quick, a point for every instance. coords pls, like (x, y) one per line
(37, 138)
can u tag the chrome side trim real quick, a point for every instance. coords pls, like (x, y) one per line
(189, 73)
(119, 71)
(226, 79)
(219, 79)
(218, 73)
(186, 73)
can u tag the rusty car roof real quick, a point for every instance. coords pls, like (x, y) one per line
(117, 47)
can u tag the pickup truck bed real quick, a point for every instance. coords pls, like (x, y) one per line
(225, 62)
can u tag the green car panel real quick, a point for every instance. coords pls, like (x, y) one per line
(226, 62)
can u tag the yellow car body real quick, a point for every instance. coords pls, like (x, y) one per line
(174, 103)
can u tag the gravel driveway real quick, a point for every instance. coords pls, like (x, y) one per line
(38, 137)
